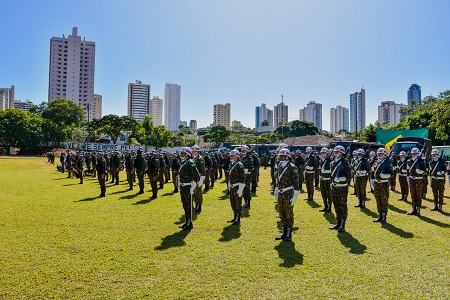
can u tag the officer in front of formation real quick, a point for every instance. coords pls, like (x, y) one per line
(236, 186)
(340, 177)
(416, 169)
(286, 193)
(437, 175)
(382, 170)
(188, 177)
(101, 173)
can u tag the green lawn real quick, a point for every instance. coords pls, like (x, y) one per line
(57, 240)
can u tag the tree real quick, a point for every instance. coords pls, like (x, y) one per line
(161, 137)
(20, 129)
(217, 134)
(294, 129)
(38, 109)
(63, 112)
(369, 134)
(114, 126)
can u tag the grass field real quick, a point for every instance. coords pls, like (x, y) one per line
(58, 241)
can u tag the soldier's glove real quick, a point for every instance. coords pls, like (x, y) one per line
(193, 186)
(309, 168)
(202, 178)
(294, 198)
(404, 171)
(340, 179)
(385, 176)
(419, 171)
(441, 173)
(240, 190)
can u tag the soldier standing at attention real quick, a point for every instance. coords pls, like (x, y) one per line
(382, 172)
(425, 176)
(300, 164)
(153, 172)
(200, 163)
(94, 163)
(325, 176)
(226, 169)
(188, 177)
(168, 162)
(79, 166)
(212, 170)
(340, 177)
(115, 165)
(101, 173)
(62, 160)
(416, 169)
(361, 171)
(402, 171)
(129, 168)
(273, 157)
(255, 170)
(437, 174)
(353, 163)
(208, 167)
(162, 169)
(286, 193)
(236, 186)
(371, 162)
(310, 166)
(393, 178)
(176, 164)
(247, 161)
(139, 166)
(316, 170)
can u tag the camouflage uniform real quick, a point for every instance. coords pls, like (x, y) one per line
(161, 171)
(255, 172)
(79, 165)
(287, 182)
(139, 165)
(168, 162)
(198, 195)
(393, 178)
(325, 183)
(437, 174)
(129, 168)
(237, 176)
(208, 168)
(186, 175)
(300, 163)
(425, 178)
(415, 183)
(273, 159)
(115, 165)
(361, 176)
(176, 164)
(247, 161)
(212, 171)
(153, 171)
(317, 172)
(340, 168)
(226, 169)
(310, 166)
(382, 171)
(101, 170)
(402, 172)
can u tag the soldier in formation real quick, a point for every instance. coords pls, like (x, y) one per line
(200, 163)
(310, 167)
(361, 175)
(101, 173)
(416, 169)
(176, 164)
(402, 171)
(382, 170)
(437, 177)
(325, 179)
(236, 186)
(247, 161)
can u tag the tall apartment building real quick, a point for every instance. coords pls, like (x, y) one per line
(414, 94)
(280, 114)
(222, 115)
(263, 114)
(7, 97)
(72, 70)
(193, 125)
(156, 110)
(339, 119)
(97, 111)
(312, 113)
(389, 112)
(23, 105)
(172, 101)
(358, 111)
(138, 100)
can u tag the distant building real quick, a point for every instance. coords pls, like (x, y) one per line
(97, 109)
(138, 100)
(312, 113)
(358, 111)
(156, 110)
(236, 123)
(183, 123)
(7, 97)
(389, 112)
(280, 114)
(263, 114)
(302, 114)
(172, 102)
(193, 125)
(339, 119)
(26, 105)
(414, 94)
(72, 70)
(222, 115)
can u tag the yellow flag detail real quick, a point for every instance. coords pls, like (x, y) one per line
(389, 145)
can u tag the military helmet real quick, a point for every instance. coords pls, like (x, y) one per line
(339, 149)
(402, 153)
(382, 151)
(308, 150)
(435, 152)
(235, 153)
(361, 151)
(415, 151)
(324, 150)
(284, 152)
(186, 150)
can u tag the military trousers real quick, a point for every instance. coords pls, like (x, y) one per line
(198, 195)
(247, 195)
(235, 200)
(285, 209)
(175, 179)
(140, 176)
(425, 184)
(403, 181)
(339, 197)
(393, 179)
(309, 180)
(130, 173)
(438, 187)
(186, 201)
(381, 193)
(360, 187)
(102, 183)
(154, 183)
(325, 188)
(415, 187)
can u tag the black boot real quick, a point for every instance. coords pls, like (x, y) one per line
(383, 218)
(440, 207)
(325, 207)
(234, 218)
(189, 225)
(154, 196)
(185, 222)
(413, 212)
(402, 198)
(435, 206)
(237, 220)
(282, 236)
(311, 197)
(418, 211)
(175, 190)
(288, 236)
(337, 225)
(363, 203)
(247, 204)
(141, 191)
(379, 218)
(342, 227)
(329, 206)
(359, 203)
(198, 209)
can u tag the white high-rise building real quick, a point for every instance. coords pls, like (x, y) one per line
(23, 105)
(280, 114)
(72, 70)
(222, 115)
(172, 101)
(339, 119)
(138, 100)
(312, 113)
(389, 112)
(97, 111)
(156, 110)
(7, 98)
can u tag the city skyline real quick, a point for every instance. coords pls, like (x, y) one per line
(236, 53)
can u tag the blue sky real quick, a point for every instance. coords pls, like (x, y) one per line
(242, 52)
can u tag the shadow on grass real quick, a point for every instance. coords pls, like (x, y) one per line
(230, 232)
(168, 194)
(369, 212)
(313, 204)
(397, 210)
(173, 240)
(398, 231)
(330, 217)
(87, 199)
(69, 184)
(144, 201)
(224, 197)
(129, 196)
(434, 222)
(245, 213)
(349, 241)
(181, 220)
(289, 255)
(445, 213)
(120, 192)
